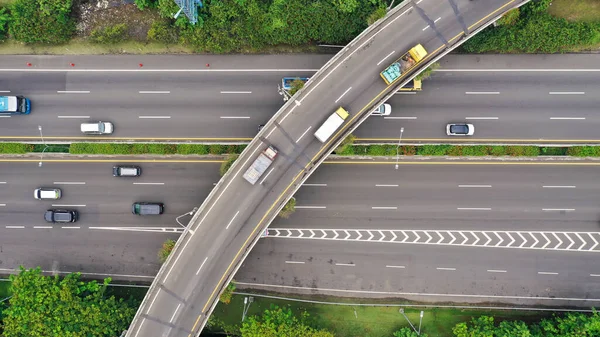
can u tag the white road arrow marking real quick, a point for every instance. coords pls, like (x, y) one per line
(324, 234)
(501, 239)
(371, 236)
(489, 239)
(426, 242)
(418, 237)
(583, 244)
(312, 234)
(336, 234)
(548, 241)
(512, 239)
(476, 238)
(595, 242)
(347, 235)
(394, 234)
(464, 236)
(359, 235)
(382, 236)
(536, 240)
(405, 237)
(524, 240)
(441, 238)
(559, 240)
(453, 238)
(572, 242)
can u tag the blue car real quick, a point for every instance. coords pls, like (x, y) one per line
(17, 105)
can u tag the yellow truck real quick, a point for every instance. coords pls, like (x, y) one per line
(406, 62)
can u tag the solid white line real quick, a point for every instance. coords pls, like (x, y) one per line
(294, 262)
(73, 116)
(71, 70)
(2, 182)
(384, 207)
(483, 118)
(394, 117)
(567, 118)
(70, 227)
(474, 209)
(42, 227)
(236, 92)
(154, 117)
(441, 268)
(14, 227)
(388, 55)
(154, 92)
(302, 135)
(5, 116)
(595, 275)
(405, 92)
(400, 267)
(310, 207)
(5, 91)
(345, 264)
(61, 205)
(69, 183)
(376, 185)
(482, 92)
(474, 185)
(546, 273)
(231, 221)
(2, 205)
(566, 93)
(320, 185)
(265, 177)
(202, 265)
(235, 117)
(556, 186)
(345, 92)
(148, 183)
(496, 271)
(73, 92)
(174, 312)
(558, 209)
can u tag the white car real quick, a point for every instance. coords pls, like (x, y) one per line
(383, 110)
(460, 129)
(97, 128)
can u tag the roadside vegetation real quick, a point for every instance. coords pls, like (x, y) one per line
(288, 209)
(165, 250)
(227, 164)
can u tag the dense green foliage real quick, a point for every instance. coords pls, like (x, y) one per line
(288, 209)
(4, 20)
(227, 164)
(345, 144)
(42, 21)
(50, 306)
(165, 250)
(152, 148)
(408, 332)
(280, 322)
(109, 34)
(227, 294)
(163, 31)
(16, 148)
(452, 150)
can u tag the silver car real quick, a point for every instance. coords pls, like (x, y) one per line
(383, 110)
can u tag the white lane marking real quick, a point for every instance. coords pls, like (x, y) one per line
(310, 207)
(566, 93)
(234, 117)
(236, 92)
(474, 186)
(15, 227)
(557, 186)
(154, 92)
(496, 271)
(2, 182)
(345, 264)
(482, 118)
(474, 208)
(345, 92)
(73, 116)
(399, 117)
(319, 185)
(405, 93)
(442, 268)
(384, 207)
(73, 92)
(546, 273)
(2, 205)
(302, 135)
(174, 313)
(5, 91)
(436, 20)
(391, 266)
(595, 275)
(42, 227)
(201, 265)
(148, 183)
(516, 70)
(69, 183)
(154, 117)
(383, 185)
(567, 118)
(72, 70)
(63, 205)
(294, 262)
(265, 177)
(482, 92)
(70, 227)
(231, 221)
(383, 59)
(5, 116)
(558, 209)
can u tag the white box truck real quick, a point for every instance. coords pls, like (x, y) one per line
(260, 165)
(332, 123)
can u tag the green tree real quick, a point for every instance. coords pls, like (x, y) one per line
(42, 21)
(165, 250)
(380, 12)
(408, 332)
(288, 209)
(280, 322)
(143, 4)
(227, 294)
(509, 18)
(227, 164)
(4, 20)
(346, 6)
(296, 85)
(50, 306)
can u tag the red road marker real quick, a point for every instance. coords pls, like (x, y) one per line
(141, 65)
(28, 64)
(72, 64)
(208, 64)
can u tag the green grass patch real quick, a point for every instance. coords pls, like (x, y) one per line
(576, 10)
(153, 148)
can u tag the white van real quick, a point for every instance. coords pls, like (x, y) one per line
(47, 193)
(97, 128)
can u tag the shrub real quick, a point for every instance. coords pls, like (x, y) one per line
(288, 209)
(433, 150)
(425, 74)
(497, 150)
(15, 148)
(477, 150)
(4, 20)
(227, 164)
(143, 4)
(138, 148)
(109, 34)
(216, 149)
(584, 151)
(380, 12)
(192, 149)
(509, 18)
(454, 150)
(165, 250)
(408, 150)
(521, 151)
(553, 151)
(162, 31)
(227, 294)
(376, 150)
(346, 143)
(42, 21)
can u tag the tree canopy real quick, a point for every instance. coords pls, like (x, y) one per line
(280, 322)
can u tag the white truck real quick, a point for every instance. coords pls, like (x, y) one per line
(332, 123)
(260, 165)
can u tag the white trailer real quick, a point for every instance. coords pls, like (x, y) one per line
(260, 165)
(332, 123)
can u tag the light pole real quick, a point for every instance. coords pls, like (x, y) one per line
(398, 147)
(45, 146)
(247, 302)
(420, 321)
(182, 215)
(401, 310)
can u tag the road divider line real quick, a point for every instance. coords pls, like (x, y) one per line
(436, 20)
(2, 205)
(73, 116)
(201, 265)
(547, 273)
(595, 275)
(14, 227)
(442, 268)
(231, 221)
(482, 118)
(385, 58)
(384, 185)
(174, 313)
(154, 92)
(5, 116)
(294, 262)
(42, 227)
(474, 208)
(482, 93)
(474, 186)
(391, 266)
(384, 207)
(316, 185)
(154, 117)
(236, 92)
(405, 93)
(70, 227)
(69, 183)
(567, 93)
(2, 182)
(398, 117)
(567, 118)
(265, 177)
(558, 209)
(345, 264)
(302, 135)
(63, 205)
(148, 183)
(310, 207)
(345, 92)
(235, 117)
(73, 92)
(5, 91)
(496, 271)
(558, 186)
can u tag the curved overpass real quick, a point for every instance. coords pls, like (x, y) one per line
(229, 222)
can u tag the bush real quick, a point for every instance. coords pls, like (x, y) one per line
(4, 20)
(346, 143)
(509, 18)
(216, 149)
(227, 164)
(477, 150)
(583, 151)
(380, 12)
(408, 150)
(165, 250)
(288, 209)
(553, 151)
(498, 150)
(227, 294)
(162, 31)
(42, 21)
(433, 150)
(109, 34)
(143, 4)
(192, 149)
(15, 148)
(425, 74)
(522, 151)
(376, 150)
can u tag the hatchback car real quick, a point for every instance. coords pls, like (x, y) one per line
(97, 128)
(460, 129)
(383, 110)
(47, 193)
(61, 215)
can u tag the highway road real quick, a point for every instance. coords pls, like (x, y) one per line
(504, 104)
(515, 194)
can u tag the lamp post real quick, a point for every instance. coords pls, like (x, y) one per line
(401, 310)
(45, 146)
(182, 215)
(247, 302)
(398, 147)
(420, 321)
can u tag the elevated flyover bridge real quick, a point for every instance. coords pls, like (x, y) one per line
(229, 222)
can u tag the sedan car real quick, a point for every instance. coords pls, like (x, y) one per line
(460, 129)
(383, 110)
(61, 215)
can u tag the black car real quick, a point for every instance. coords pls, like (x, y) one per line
(61, 215)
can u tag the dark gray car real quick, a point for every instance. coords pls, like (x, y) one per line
(61, 215)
